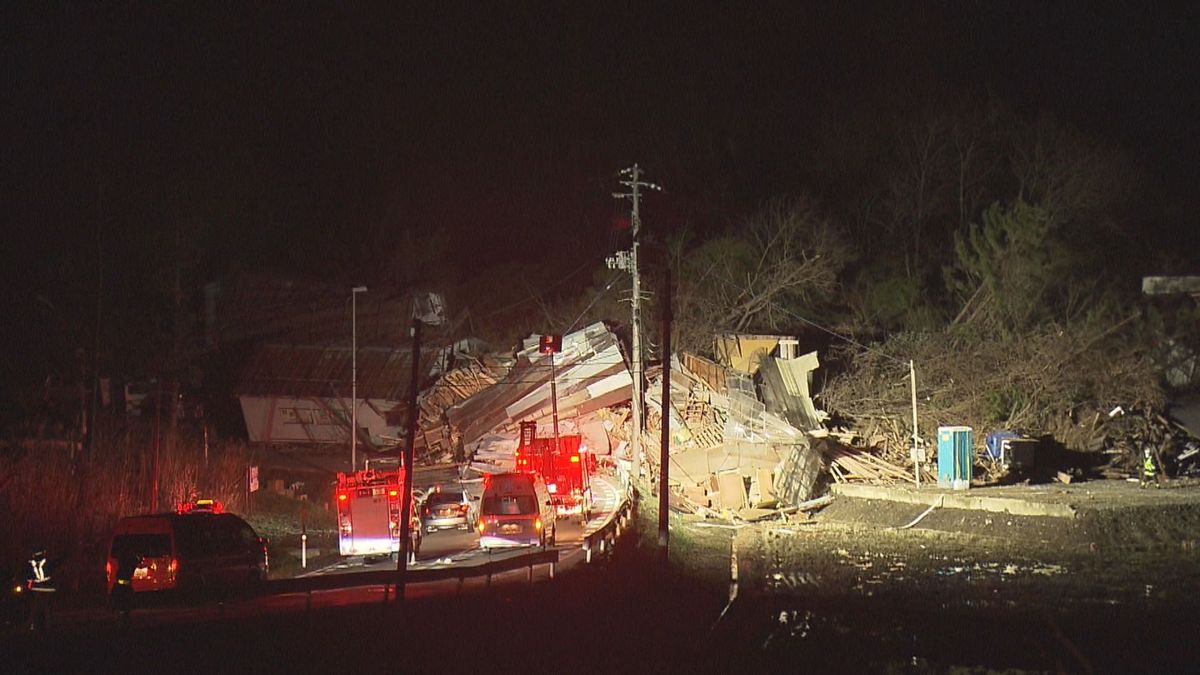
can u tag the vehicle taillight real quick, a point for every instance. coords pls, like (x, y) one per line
(174, 566)
(343, 497)
(537, 524)
(481, 525)
(108, 570)
(574, 459)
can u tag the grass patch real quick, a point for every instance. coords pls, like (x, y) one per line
(697, 553)
(283, 519)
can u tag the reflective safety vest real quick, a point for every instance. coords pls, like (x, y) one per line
(40, 580)
(1148, 468)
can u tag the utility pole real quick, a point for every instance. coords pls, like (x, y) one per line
(354, 375)
(427, 309)
(157, 441)
(632, 180)
(916, 448)
(664, 473)
(408, 458)
(90, 416)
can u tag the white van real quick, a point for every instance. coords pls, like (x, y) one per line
(515, 511)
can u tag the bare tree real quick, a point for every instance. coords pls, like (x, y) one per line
(781, 259)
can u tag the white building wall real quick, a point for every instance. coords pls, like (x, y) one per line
(284, 419)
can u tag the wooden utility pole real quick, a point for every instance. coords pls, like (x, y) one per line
(664, 532)
(157, 442)
(916, 448)
(634, 183)
(409, 474)
(427, 309)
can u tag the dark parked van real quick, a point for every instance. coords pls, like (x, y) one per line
(193, 551)
(515, 511)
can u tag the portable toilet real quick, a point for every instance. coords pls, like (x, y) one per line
(956, 457)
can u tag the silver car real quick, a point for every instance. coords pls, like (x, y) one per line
(443, 509)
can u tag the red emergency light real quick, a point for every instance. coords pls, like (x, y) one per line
(201, 506)
(550, 344)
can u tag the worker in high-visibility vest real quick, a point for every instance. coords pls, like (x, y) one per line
(1149, 470)
(41, 587)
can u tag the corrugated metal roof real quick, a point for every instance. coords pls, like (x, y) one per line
(309, 370)
(261, 307)
(589, 373)
(785, 389)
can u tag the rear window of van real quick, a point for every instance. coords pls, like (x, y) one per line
(144, 545)
(204, 535)
(509, 505)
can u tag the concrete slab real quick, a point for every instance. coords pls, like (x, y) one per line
(956, 499)
(1055, 500)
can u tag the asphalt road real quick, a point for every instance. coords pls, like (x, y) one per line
(451, 547)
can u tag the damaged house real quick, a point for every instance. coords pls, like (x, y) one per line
(731, 449)
(302, 394)
(589, 376)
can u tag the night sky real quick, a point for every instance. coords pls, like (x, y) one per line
(305, 139)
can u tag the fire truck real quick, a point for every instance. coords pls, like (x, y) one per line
(565, 468)
(369, 512)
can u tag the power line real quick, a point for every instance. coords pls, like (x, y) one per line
(592, 261)
(599, 295)
(838, 335)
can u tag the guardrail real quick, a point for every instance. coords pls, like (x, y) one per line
(605, 537)
(389, 578)
(600, 540)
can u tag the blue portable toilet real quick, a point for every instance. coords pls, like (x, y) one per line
(956, 457)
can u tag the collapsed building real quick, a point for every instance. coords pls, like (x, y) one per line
(745, 436)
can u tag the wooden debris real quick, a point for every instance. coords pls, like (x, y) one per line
(752, 515)
(812, 504)
(733, 490)
(859, 465)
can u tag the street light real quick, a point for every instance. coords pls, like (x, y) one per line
(354, 375)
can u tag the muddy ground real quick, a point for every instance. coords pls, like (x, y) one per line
(1116, 589)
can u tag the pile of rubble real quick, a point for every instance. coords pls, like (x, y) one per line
(754, 446)
(1124, 437)
(745, 440)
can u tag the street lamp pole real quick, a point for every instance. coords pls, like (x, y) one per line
(354, 376)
